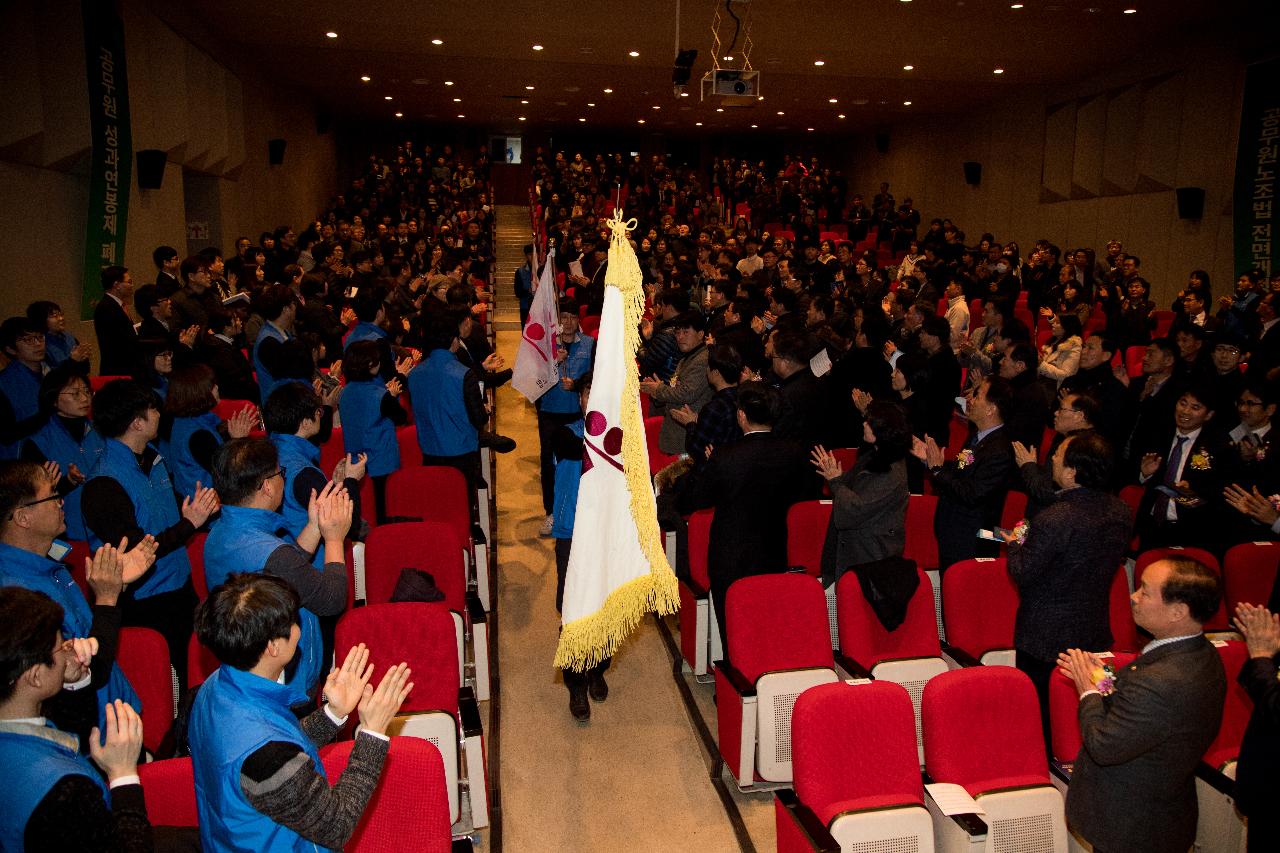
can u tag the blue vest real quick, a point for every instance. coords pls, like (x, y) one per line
(32, 766)
(565, 504)
(439, 411)
(186, 470)
(155, 509)
(365, 430)
(364, 332)
(241, 540)
(266, 382)
(41, 574)
(576, 364)
(56, 443)
(21, 386)
(296, 455)
(235, 714)
(58, 347)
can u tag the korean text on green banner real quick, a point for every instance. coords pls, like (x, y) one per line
(1256, 246)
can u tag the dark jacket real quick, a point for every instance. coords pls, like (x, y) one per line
(1032, 403)
(1257, 786)
(868, 517)
(803, 406)
(232, 370)
(117, 341)
(1133, 784)
(971, 498)
(1064, 570)
(1207, 461)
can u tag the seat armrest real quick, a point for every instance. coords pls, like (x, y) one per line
(959, 655)
(475, 608)
(462, 845)
(469, 712)
(1216, 779)
(698, 590)
(807, 823)
(851, 666)
(962, 831)
(736, 679)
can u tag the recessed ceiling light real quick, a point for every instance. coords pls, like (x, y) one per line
(633, 54)
(537, 47)
(781, 113)
(460, 115)
(386, 97)
(840, 116)
(759, 97)
(590, 105)
(906, 103)
(728, 59)
(640, 121)
(997, 71)
(365, 78)
(522, 118)
(1131, 11)
(608, 91)
(656, 107)
(810, 129)
(524, 102)
(331, 34)
(448, 82)
(399, 115)
(908, 68)
(437, 42)
(832, 101)
(755, 125)
(684, 94)
(457, 100)
(1016, 6)
(819, 62)
(529, 88)
(697, 124)
(580, 118)
(719, 109)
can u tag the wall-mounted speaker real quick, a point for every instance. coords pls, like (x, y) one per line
(882, 143)
(275, 151)
(1190, 202)
(151, 168)
(972, 173)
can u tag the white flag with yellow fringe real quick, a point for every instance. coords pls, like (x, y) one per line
(618, 570)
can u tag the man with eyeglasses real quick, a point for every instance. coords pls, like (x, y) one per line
(20, 416)
(1223, 367)
(250, 535)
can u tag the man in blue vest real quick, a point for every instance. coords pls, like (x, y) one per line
(371, 313)
(279, 307)
(23, 343)
(250, 535)
(559, 405)
(259, 781)
(53, 798)
(32, 515)
(129, 495)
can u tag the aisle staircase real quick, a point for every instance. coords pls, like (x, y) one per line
(513, 234)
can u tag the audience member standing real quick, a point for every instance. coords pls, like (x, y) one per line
(688, 386)
(1258, 770)
(370, 411)
(560, 404)
(117, 340)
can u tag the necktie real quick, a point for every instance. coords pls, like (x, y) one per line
(1170, 478)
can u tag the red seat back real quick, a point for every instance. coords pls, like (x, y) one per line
(74, 561)
(806, 532)
(201, 663)
(1015, 509)
(96, 382)
(431, 493)
(334, 451)
(1249, 573)
(921, 545)
(699, 541)
(1236, 710)
(959, 434)
(852, 744)
(776, 622)
(169, 788)
(430, 546)
(657, 459)
(1132, 495)
(1219, 622)
(1164, 321)
(195, 555)
(421, 635)
(979, 605)
(409, 810)
(864, 638)
(1064, 704)
(410, 452)
(1124, 631)
(982, 729)
(144, 658)
(1133, 360)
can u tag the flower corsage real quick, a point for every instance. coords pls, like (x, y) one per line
(1020, 531)
(1104, 679)
(964, 459)
(1201, 461)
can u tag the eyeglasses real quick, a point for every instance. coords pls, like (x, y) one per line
(53, 497)
(1066, 409)
(76, 392)
(1249, 404)
(279, 474)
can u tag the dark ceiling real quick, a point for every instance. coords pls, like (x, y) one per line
(485, 69)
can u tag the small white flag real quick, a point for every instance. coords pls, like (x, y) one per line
(536, 370)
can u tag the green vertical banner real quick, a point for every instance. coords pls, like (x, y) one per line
(112, 145)
(1256, 246)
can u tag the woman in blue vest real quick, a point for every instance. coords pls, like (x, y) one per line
(260, 784)
(130, 494)
(68, 438)
(59, 344)
(53, 798)
(23, 343)
(448, 402)
(559, 405)
(370, 411)
(278, 306)
(197, 431)
(155, 365)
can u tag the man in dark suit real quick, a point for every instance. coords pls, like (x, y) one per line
(220, 349)
(1097, 377)
(1064, 568)
(1264, 353)
(1133, 784)
(117, 341)
(972, 487)
(803, 396)
(1032, 403)
(1258, 771)
(1151, 401)
(751, 484)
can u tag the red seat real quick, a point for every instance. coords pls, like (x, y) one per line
(591, 325)
(921, 545)
(331, 453)
(195, 556)
(1064, 704)
(431, 546)
(409, 810)
(1132, 495)
(806, 532)
(697, 635)
(1164, 321)
(829, 235)
(1124, 631)
(854, 760)
(74, 561)
(979, 605)
(1015, 509)
(144, 658)
(1133, 360)
(431, 493)
(169, 788)
(1046, 441)
(410, 452)
(772, 228)
(96, 382)
(226, 409)
(1220, 621)
(847, 457)
(958, 435)
(1249, 573)
(657, 459)
(1236, 711)
(787, 234)
(201, 663)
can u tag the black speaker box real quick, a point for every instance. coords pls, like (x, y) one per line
(1190, 202)
(972, 173)
(882, 143)
(151, 168)
(275, 152)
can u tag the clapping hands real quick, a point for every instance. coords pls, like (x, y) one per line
(198, 507)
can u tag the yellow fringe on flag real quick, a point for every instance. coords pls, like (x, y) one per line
(589, 640)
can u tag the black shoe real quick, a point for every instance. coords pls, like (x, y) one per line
(598, 688)
(500, 443)
(578, 704)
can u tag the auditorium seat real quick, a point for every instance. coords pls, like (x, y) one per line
(96, 382)
(908, 655)
(1220, 826)
(1249, 573)
(195, 556)
(1124, 631)
(228, 408)
(410, 452)
(922, 546)
(1133, 360)
(958, 435)
(1015, 509)
(657, 459)
(437, 710)
(982, 731)
(144, 658)
(201, 662)
(74, 561)
(433, 547)
(331, 453)
(1164, 321)
(1220, 620)
(1064, 716)
(806, 531)
(699, 635)
(409, 810)
(1132, 495)
(779, 645)
(857, 779)
(169, 788)
(979, 603)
